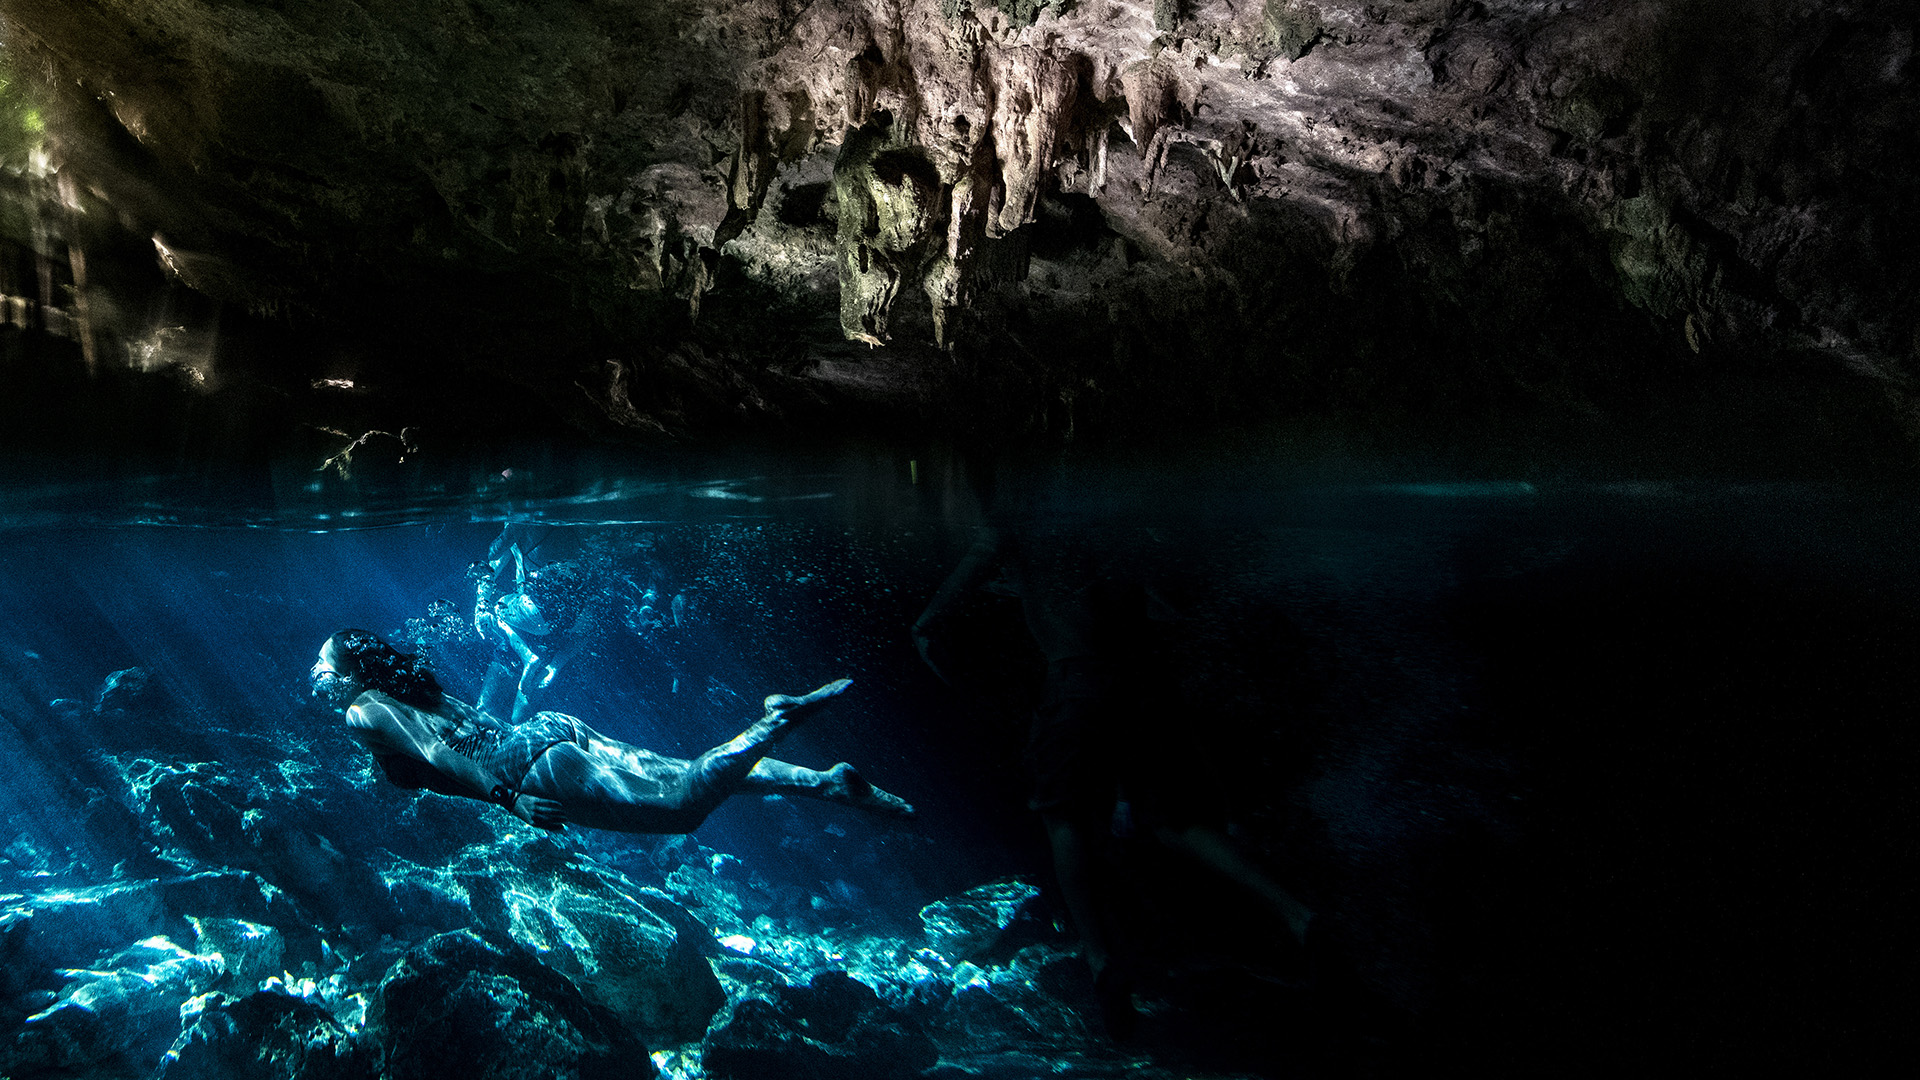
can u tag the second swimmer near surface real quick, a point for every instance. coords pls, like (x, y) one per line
(552, 770)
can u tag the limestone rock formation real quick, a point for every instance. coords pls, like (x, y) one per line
(962, 927)
(833, 1026)
(125, 1010)
(266, 1035)
(464, 1004)
(672, 214)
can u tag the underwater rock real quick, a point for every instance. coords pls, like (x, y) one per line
(761, 1041)
(239, 896)
(473, 1003)
(1039, 995)
(74, 928)
(237, 920)
(114, 843)
(640, 955)
(250, 950)
(744, 977)
(629, 949)
(833, 1027)
(60, 1039)
(119, 1007)
(417, 901)
(965, 926)
(129, 1007)
(266, 1035)
(260, 821)
(125, 689)
(977, 1012)
(830, 1005)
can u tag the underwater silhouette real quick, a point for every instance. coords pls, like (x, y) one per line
(1095, 755)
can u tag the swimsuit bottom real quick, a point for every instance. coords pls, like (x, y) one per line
(519, 747)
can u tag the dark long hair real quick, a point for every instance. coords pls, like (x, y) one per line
(376, 665)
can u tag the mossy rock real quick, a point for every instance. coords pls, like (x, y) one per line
(1021, 13)
(1291, 29)
(1597, 107)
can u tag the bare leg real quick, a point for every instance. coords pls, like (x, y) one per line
(497, 689)
(606, 784)
(558, 654)
(1211, 850)
(720, 771)
(1073, 859)
(1075, 868)
(528, 686)
(529, 661)
(841, 784)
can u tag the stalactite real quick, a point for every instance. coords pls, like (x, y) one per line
(1152, 100)
(949, 281)
(890, 198)
(750, 171)
(1036, 92)
(82, 314)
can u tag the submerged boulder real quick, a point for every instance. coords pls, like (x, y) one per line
(629, 949)
(266, 1035)
(834, 1027)
(966, 926)
(124, 690)
(644, 959)
(473, 1003)
(1039, 996)
(73, 928)
(250, 951)
(236, 916)
(128, 1008)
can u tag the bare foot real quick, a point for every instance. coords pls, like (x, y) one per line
(790, 708)
(846, 785)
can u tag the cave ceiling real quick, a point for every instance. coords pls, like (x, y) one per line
(668, 216)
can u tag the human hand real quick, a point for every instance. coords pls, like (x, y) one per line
(532, 809)
(540, 813)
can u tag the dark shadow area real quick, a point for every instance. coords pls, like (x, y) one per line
(1711, 871)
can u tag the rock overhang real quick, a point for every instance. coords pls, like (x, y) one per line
(1042, 217)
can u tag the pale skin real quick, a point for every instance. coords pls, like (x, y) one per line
(595, 781)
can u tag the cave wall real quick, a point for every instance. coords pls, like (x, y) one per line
(1052, 217)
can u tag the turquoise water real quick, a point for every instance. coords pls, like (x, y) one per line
(1552, 753)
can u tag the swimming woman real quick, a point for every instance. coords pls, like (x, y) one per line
(553, 770)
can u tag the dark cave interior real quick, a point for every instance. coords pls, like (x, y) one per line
(1506, 409)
